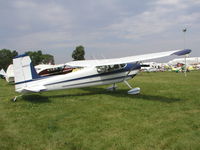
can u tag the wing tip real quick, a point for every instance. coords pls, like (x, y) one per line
(182, 52)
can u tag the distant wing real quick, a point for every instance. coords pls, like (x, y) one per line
(124, 60)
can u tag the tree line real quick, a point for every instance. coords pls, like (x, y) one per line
(37, 57)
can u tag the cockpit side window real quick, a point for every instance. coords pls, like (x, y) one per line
(109, 68)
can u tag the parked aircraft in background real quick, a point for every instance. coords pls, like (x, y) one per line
(49, 70)
(42, 70)
(10, 78)
(149, 67)
(83, 73)
(2, 73)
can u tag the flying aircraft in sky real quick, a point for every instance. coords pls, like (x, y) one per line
(83, 73)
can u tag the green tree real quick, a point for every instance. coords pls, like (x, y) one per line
(6, 57)
(79, 53)
(38, 58)
(46, 59)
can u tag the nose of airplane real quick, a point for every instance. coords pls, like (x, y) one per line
(137, 66)
(133, 66)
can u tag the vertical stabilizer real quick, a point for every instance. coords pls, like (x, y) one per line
(24, 71)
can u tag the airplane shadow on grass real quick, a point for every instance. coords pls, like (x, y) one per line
(36, 98)
(39, 98)
(123, 94)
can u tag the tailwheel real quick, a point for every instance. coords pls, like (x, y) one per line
(133, 91)
(15, 98)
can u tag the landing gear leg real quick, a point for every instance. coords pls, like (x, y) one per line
(133, 90)
(113, 87)
(15, 98)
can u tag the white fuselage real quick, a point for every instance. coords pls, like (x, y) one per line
(84, 77)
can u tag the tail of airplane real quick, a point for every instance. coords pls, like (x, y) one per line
(24, 71)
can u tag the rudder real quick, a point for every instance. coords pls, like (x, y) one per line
(24, 71)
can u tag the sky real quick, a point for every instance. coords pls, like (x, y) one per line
(106, 28)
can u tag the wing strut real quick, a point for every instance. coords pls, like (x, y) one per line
(128, 84)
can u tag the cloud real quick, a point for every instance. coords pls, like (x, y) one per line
(33, 16)
(101, 26)
(172, 3)
(32, 24)
(155, 20)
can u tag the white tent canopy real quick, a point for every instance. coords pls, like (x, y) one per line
(190, 61)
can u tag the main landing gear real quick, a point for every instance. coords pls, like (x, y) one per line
(113, 87)
(133, 91)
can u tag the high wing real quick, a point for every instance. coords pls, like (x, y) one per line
(130, 59)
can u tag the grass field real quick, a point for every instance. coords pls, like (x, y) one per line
(166, 115)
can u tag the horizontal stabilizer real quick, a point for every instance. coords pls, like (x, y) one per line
(34, 89)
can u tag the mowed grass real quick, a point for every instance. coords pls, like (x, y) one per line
(166, 115)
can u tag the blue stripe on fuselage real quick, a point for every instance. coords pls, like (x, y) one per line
(122, 77)
(87, 77)
(36, 79)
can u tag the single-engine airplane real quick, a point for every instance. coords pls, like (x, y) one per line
(83, 73)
